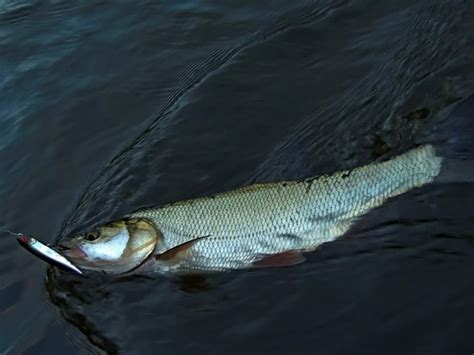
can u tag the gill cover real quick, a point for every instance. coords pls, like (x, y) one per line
(114, 248)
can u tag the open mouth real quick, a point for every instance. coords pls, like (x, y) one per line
(70, 250)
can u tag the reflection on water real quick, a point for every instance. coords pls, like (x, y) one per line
(106, 109)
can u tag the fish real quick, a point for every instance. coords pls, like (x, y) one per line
(262, 225)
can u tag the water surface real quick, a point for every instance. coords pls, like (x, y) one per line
(109, 108)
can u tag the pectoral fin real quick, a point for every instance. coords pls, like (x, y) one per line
(286, 258)
(179, 252)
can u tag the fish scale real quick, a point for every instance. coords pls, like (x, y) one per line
(243, 225)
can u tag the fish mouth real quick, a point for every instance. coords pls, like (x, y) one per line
(71, 251)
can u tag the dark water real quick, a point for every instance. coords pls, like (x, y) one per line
(106, 108)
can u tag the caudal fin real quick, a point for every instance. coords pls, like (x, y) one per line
(456, 171)
(452, 132)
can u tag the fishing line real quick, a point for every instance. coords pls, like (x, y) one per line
(11, 233)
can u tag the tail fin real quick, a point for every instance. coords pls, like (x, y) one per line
(456, 171)
(452, 132)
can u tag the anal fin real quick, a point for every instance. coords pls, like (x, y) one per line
(286, 258)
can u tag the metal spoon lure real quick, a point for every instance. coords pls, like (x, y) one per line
(44, 252)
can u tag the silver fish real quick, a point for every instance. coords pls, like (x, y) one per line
(255, 226)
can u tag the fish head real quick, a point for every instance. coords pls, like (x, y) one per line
(113, 248)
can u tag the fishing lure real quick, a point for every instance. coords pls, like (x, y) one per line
(44, 252)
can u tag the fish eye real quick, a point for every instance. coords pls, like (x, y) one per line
(91, 236)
